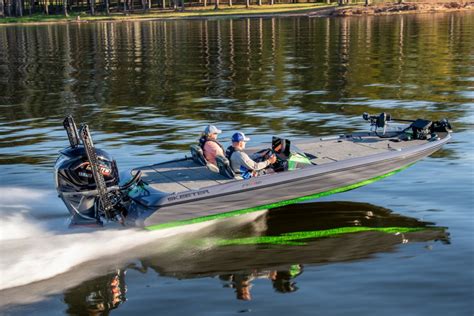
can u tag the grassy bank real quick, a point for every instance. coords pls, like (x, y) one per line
(192, 12)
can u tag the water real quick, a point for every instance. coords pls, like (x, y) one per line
(147, 89)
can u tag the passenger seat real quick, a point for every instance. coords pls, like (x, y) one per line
(198, 157)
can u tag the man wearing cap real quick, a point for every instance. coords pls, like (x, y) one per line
(209, 144)
(241, 163)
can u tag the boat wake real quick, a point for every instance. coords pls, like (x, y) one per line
(33, 250)
(34, 254)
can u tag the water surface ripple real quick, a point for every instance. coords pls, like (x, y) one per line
(147, 90)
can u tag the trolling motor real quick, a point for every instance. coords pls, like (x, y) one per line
(377, 120)
(87, 180)
(419, 128)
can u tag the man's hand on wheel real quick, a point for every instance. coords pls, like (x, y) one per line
(272, 159)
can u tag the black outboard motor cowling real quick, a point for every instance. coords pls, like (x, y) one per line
(75, 171)
(76, 185)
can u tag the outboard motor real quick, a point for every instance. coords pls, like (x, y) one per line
(87, 179)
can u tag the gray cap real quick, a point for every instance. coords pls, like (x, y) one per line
(211, 129)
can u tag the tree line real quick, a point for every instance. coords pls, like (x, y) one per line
(19, 8)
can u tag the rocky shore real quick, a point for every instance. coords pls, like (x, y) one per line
(402, 8)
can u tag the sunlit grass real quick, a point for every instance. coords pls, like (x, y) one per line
(224, 10)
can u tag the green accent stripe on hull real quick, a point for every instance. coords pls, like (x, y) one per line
(290, 238)
(272, 205)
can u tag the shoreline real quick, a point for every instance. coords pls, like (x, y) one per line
(265, 11)
(385, 9)
(236, 11)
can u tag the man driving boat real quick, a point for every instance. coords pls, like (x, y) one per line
(209, 144)
(241, 163)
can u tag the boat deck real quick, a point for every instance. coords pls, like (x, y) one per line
(185, 174)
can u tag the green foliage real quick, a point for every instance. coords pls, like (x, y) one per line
(209, 11)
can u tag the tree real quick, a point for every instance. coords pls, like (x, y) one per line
(46, 5)
(230, 3)
(65, 8)
(92, 2)
(247, 4)
(2, 9)
(216, 6)
(107, 7)
(259, 2)
(163, 4)
(31, 7)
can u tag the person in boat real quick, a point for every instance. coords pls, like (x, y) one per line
(241, 283)
(242, 163)
(209, 144)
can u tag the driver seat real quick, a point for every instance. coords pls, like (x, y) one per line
(224, 167)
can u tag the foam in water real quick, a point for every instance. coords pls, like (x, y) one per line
(30, 251)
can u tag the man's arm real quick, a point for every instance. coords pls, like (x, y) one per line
(248, 163)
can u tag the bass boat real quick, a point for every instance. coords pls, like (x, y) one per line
(189, 190)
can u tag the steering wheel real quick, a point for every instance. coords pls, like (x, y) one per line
(264, 154)
(280, 163)
(268, 153)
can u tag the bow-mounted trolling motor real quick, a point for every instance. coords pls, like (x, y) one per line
(416, 129)
(87, 180)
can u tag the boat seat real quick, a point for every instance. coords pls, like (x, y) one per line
(198, 155)
(224, 167)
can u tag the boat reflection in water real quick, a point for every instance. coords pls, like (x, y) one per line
(276, 246)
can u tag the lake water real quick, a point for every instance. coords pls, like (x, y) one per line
(148, 89)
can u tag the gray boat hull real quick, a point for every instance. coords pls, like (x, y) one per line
(158, 210)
